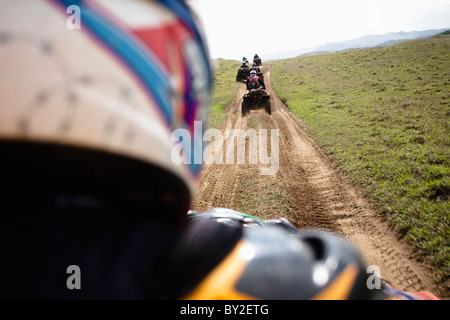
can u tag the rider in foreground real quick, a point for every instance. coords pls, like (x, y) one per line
(93, 205)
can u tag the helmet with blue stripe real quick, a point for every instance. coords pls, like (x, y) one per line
(92, 90)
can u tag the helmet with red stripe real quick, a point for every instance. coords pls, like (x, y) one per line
(91, 92)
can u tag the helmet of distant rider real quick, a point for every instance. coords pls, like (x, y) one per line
(105, 82)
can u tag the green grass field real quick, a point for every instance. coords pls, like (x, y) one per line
(383, 115)
(225, 88)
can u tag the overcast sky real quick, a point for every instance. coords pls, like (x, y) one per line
(237, 28)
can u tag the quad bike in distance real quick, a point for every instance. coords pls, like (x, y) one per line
(243, 74)
(255, 99)
(257, 61)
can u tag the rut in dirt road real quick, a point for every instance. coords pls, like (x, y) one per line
(306, 190)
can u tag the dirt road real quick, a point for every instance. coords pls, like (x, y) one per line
(313, 193)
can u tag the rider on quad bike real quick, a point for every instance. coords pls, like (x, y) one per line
(256, 68)
(244, 66)
(243, 72)
(255, 82)
(256, 97)
(258, 71)
(257, 60)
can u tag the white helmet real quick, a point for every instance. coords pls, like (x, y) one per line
(92, 95)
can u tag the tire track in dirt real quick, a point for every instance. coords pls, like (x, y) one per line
(218, 181)
(318, 195)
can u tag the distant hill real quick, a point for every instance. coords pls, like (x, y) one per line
(361, 42)
(379, 39)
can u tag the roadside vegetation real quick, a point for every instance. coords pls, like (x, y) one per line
(383, 115)
(224, 90)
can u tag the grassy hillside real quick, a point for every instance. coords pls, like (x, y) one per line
(225, 88)
(384, 115)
